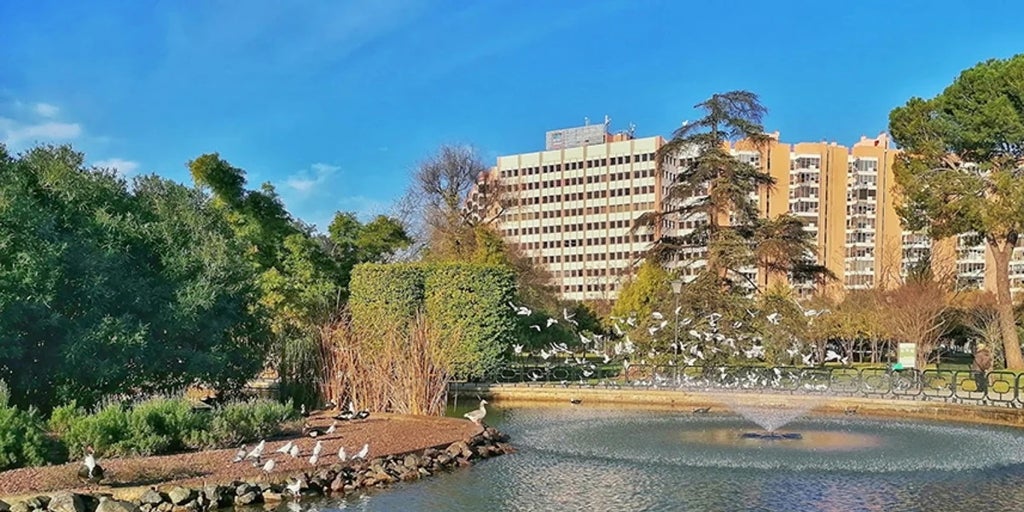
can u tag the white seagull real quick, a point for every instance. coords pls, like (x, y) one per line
(477, 415)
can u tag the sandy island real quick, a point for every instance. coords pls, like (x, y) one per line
(387, 434)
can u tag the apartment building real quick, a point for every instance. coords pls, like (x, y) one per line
(572, 206)
(574, 203)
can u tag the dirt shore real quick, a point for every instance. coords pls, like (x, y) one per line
(387, 434)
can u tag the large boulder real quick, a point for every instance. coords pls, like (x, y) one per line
(181, 495)
(151, 497)
(66, 502)
(112, 505)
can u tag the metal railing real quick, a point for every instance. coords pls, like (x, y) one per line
(957, 386)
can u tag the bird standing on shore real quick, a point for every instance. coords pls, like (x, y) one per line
(477, 415)
(240, 456)
(257, 452)
(90, 472)
(362, 453)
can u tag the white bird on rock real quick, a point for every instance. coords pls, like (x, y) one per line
(362, 453)
(477, 415)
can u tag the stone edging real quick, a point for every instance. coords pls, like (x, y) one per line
(337, 480)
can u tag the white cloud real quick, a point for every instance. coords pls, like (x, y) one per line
(307, 180)
(46, 109)
(16, 133)
(123, 167)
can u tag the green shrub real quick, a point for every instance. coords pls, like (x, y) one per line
(106, 430)
(63, 417)
(239, 422)
(165, 425)
(468, 303)
(22, 437)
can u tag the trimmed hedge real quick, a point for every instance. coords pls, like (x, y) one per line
(468, 302)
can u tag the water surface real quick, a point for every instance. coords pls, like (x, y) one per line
(585, 458)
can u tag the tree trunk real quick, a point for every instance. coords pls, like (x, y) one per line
(1001, 251)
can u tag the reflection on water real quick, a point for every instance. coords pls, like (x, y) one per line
(810, 440)
(582, 458)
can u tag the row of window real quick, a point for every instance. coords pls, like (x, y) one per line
(625, 256)
(599, 287)
(579, 180)
(578, 164)
(589, 242)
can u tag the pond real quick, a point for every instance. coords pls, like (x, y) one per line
(577, 457)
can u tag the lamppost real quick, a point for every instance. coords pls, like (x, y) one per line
(677, 288)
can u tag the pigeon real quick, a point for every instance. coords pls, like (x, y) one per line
(362, 453)
(269, 466)
(286, 448)
(257, 452)
(240, 456)
(341, 454)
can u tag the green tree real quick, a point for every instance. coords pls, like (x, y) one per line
(105, 290)
(961, 169)
(714, 188)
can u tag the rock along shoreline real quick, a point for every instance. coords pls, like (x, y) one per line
(336, 480)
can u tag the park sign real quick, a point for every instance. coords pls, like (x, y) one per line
(907, 355)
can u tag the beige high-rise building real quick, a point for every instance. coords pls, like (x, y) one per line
(574, 204)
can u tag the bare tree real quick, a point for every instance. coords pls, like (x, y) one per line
(451, 195)
(916, 313)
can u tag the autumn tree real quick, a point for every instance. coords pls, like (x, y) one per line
(962, 169)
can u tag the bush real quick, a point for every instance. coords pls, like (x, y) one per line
(466, 303)
(165, 425)
(22, 436)
(238, 422)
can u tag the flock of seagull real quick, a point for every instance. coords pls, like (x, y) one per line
(704, 337)
(92, 472)
(292, 449)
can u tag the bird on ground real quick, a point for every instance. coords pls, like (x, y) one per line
(302, 411)
(774, 318)
(90, 472)
(312, 431)
(551, 321)
(535, 327)
(341, 454)
(477, 415)
(702, 410)
(362, 415)
(575, 401)
(269, 466)
(333, 427)
(517, 349)
(318, 449)
(286, 448)
(294, 486)
(257, 452)
(657, 315)
(314, 459)
(294, 452)
(240, 456)
(362, 453)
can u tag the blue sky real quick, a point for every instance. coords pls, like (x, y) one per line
(335, 102)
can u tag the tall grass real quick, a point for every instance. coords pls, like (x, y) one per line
(396, 370)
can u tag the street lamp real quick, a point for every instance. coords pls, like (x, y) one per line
(677, 288)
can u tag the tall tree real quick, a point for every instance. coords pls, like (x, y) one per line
(108, 290)
(715, 189)
(962, 169)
